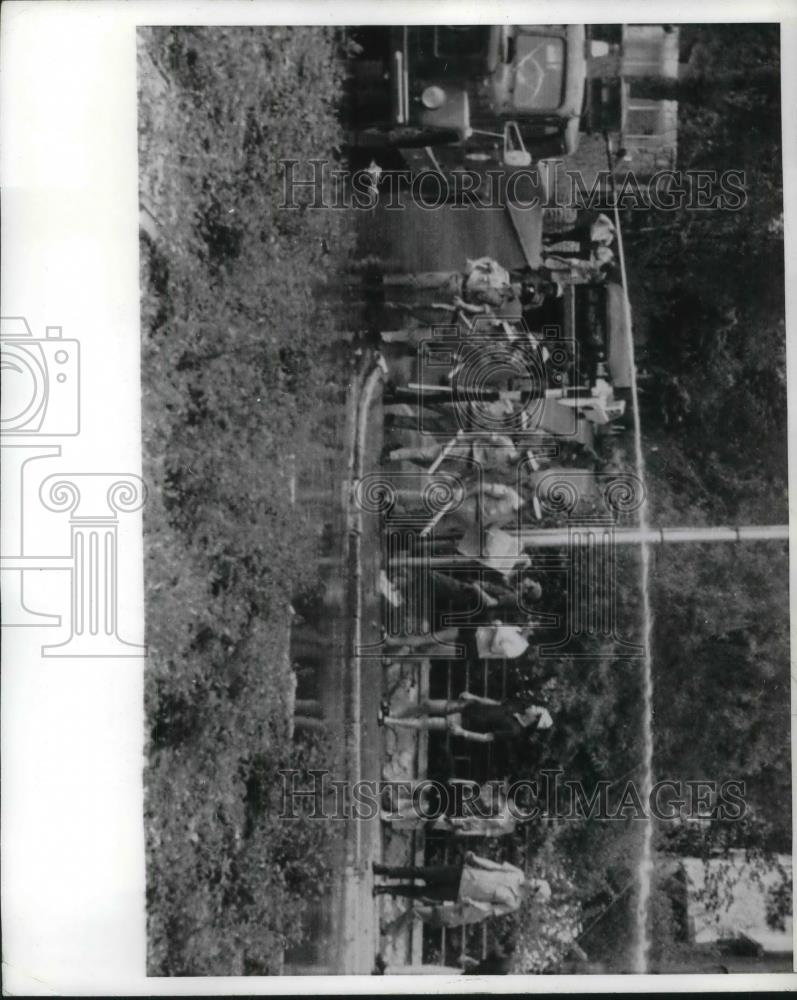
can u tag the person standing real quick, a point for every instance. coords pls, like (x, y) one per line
(487, 815)
(486, 286)
(468, 892)
(497, 595)
(482, 720)
(490, 452)
(464, 810)
(582, 240)
(485, 505)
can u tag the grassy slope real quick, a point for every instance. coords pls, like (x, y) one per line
(231, 371)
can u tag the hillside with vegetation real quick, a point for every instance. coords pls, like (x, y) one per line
(235, 379)
(707, 288)
(708, 292)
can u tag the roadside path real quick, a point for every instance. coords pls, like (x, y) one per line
(362, 679)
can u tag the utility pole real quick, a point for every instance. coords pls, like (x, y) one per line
(602, 537)
(539, 538)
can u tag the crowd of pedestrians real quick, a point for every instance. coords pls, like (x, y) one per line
(484, 436)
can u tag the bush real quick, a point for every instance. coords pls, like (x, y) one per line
(234, 374)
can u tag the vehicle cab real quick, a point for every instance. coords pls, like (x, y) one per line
(485, 96)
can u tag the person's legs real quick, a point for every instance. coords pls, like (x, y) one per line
(308, 723)
(427, 420)
(443, 706)
(440, 650)
(309, 635)
(308, 643)
(423, 454)
(434, 722)
(433, 642)
(450, 588)
(431, 874)
(428, 316)
(438, 893)
(309, 707)
(446, 635)
(442, 881)
(310, 652)
(432, 706)
(457, 729)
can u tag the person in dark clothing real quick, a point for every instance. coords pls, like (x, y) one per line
(536, 290)
(497, 596)
(441, 882)
(536, 287)
(474, 889)
(472, 717)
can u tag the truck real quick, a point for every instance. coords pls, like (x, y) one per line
(472, 96)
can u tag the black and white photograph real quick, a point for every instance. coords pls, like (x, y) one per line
(395, 434)
(464, 418)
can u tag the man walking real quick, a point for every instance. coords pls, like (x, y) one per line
(482, 720)
(478, 887)
(490, 452)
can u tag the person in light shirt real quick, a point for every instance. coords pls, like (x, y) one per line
(495, 641)
(473, 810)
(484, 505)
(490, 452)
(486, 285)
(501, 642)
(468, 892)
(488, 815)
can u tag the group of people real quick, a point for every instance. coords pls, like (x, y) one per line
(466, 892)
(472, 888)
(482, 441)
(497, 598)
(583, 253)
(496, 481)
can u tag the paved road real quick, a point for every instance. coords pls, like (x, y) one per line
(411, 239)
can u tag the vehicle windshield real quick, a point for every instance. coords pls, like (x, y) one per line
(539, 63)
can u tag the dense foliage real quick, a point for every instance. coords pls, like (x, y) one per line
(707, 289)
(232, 372)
